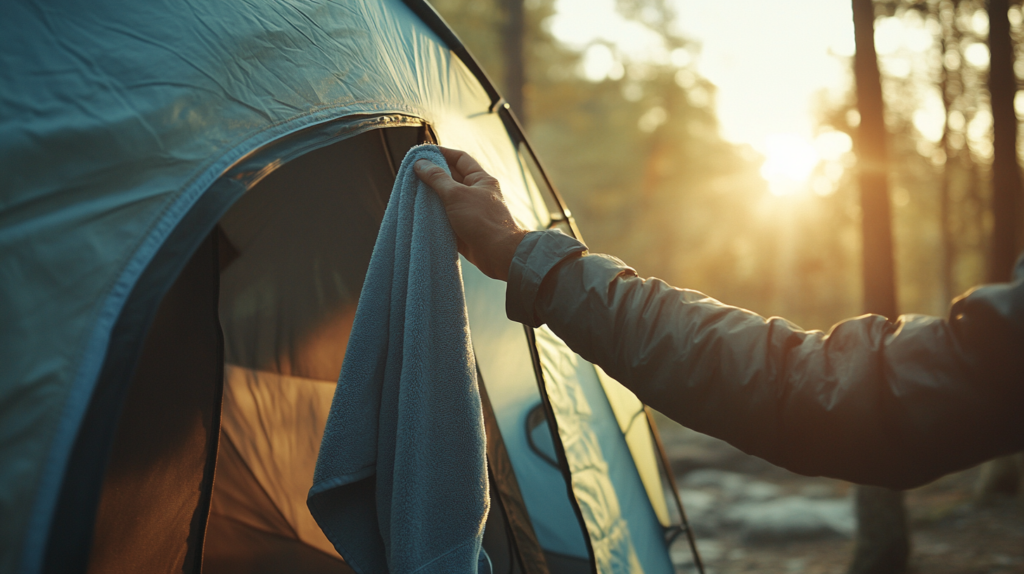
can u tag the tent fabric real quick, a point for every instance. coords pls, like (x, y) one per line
(624, 530)
(271, 429)
(406, 415)
(304, 236)
(632, 419)
(115, 120)
(234, 547)
(510, 509)
(506, 365)
(149, 514)
(157, 485)
(301, 241)
(127, 132)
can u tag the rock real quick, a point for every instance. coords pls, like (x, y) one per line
(697, 503)
(733, 486)
(759, 491)
(701, 512)
(710, 551)
(791, 518)
(714, 479)
(818, 491)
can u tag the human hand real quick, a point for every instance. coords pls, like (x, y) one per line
(487, 234)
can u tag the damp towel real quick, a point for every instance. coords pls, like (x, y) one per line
(401, 482)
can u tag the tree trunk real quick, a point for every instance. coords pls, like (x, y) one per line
(883, 545)
(882, 542)
(512, 46)
(1002, 476)
(947, 36)
(873, 172)
(1006, 180)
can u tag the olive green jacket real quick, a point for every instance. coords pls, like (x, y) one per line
(888, 403)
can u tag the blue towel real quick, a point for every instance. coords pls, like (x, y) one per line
(401, 481)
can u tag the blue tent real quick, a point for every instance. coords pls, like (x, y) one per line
(190, 193)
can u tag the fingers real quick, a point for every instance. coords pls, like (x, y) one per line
(466, 170)
(462, 163)
(466, 174)
(435, 176)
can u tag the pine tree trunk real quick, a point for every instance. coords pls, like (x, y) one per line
(883, 545)
(945, 201)
(873, 170)
(515, 67)
(1006, 180)
(1002, 476)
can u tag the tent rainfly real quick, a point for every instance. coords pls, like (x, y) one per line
(190, 195)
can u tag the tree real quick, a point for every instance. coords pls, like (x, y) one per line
(1006, 179)
(882, 542)
(513, 32)
(948, 78)
(1003, 476)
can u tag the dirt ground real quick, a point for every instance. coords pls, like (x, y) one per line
(738, 507)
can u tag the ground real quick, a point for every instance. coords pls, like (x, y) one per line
(750, 516)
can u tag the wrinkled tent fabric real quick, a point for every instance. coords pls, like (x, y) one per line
(118, 122)
(96, 174)
(404, 443)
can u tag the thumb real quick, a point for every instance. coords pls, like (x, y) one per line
(434, 176)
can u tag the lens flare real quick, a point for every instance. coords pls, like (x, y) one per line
(789, 161)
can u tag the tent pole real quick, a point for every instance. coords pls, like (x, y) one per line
(663, 457)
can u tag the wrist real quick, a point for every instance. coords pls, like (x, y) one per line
(508, 251)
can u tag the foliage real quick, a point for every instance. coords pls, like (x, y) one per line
(640, 160)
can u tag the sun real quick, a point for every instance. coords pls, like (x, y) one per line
(789, 161)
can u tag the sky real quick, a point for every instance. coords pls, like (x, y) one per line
(767, 58)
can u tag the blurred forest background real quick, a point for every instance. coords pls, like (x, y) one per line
(640, 160)
(638, 152)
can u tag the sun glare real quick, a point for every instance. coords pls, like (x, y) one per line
(789, 161)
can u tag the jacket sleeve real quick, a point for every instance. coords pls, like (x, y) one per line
(893, 404)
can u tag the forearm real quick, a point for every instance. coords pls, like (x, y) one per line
(875, 402)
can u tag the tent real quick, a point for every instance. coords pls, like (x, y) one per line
(190, 193)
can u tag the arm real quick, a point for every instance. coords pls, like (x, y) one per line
(894, 404)
(876, 402)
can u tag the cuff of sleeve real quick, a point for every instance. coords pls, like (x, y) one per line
(538, 253)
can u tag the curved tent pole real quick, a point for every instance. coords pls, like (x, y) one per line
(684, 526)
(436, 23)
(515, 128)
(513, 125)
(556, 439)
